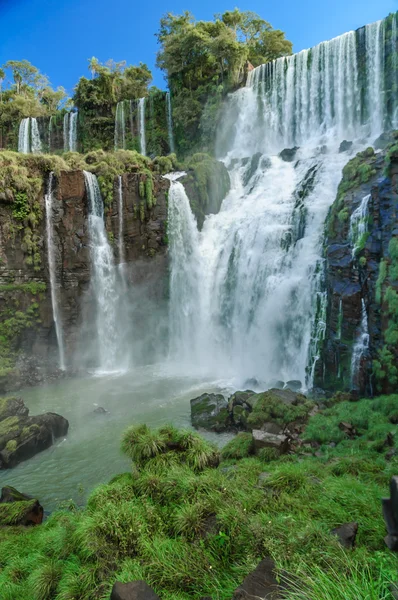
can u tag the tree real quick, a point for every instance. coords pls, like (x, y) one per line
(93, 65)
(25, 75)
(2, 77)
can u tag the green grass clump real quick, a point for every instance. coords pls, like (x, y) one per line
(192, 529)
(12, 512)
(270, 408)
(241, 446)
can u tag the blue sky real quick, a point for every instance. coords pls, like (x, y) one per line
(58, 36)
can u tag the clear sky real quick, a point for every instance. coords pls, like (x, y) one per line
(58, 36)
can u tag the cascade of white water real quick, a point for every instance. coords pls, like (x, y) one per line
(120, 127)
(50, 134)
(52, 270)
(24, 136)
(35, 137)
(374, 36)
(120, 210)
(358, 224)
(141, 119)
(104, 281)
(246, 295)
(73, 131)
(360, 346)
(66, 132)
(394, 54)
(169, 118)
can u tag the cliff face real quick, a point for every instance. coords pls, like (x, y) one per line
(26, 317)
(361, 279)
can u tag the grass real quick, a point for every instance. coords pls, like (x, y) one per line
(191, 528)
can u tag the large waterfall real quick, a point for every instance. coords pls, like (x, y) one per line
(141, 119)
(245, 291)
(52, 270)
(29, 136)
(104, 281)
(70, 132)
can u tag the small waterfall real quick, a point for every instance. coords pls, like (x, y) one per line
(141, 119)
(120, 127)
(24, 136)
(360, 347)
(120, 210)
(169, 123)
(73, 131)
(104, 282)
(394, 54)
(35, 137)
(70, 131)
(52, 270)
(358, 224)
(184, 255)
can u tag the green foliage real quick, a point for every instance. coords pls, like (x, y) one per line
(12, 512)
(343, 215)
(270, 408)
(241, 446)
(380, 279)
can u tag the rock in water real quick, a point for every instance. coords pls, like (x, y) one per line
(210, 411)
(261, 584)
(346, 534)
(288, 154)
(135, 590)
(19, 509)
(390, 512)
(21, 436)
(345, 146)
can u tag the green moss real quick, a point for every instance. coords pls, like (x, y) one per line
(362, 261)
(9, 425)
(343, 215)
(380, 280)
(11, 446)
(12, 513)
(269, 407)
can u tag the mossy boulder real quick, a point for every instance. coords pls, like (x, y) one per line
(21, 436)
(19, 509)
(282, 407)
(210, 411)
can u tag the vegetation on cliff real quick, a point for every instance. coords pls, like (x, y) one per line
(204, 60)
(191, 528)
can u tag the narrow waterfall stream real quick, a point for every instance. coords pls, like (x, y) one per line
(52, 270)
(360, 346)
(169, 118)
(70, 131)
(36, 146)
(141, 120)
(120, 127)
(358, 224)
(24, 136)
(104, 281)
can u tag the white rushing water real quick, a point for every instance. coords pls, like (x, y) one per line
(141, 120)
(246, 292)
(70, 132)
(169, 118)
(52, 270)
(358, 224)
(50, 123)
(120, 211)
(120, 127)
(36, 147)
(360, 346)
(24, 136)
(103, 281)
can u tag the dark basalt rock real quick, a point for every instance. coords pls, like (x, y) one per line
(210, 411)
(345, 146)
(288, 154)
(12, 406)
(135, 590)
(100, 411)
(21, 436)
(262, 439)
(261, 584)
(346, 534)
(390, 512)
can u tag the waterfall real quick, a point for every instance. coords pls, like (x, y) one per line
(253, 304)
(169, 123)
(52, 270)
(24, 137)
(183, 239)
(394, 54)
(35, 137)
(120, 127)
(104, 282)
(50, 134)
(358, 224)
(70, 132)
(73, 132)
(360, 346)
(141, 119)
(120, 210)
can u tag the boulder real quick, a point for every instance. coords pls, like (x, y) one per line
(261, 584)
(345, 146)
(22, 437)
(12, 406)
(294, 385)
(210, 411)
(19, 509)
(390, 513)
(135, 590)
(288, 154)
(262, 439)
(100, 411)
(346, 534)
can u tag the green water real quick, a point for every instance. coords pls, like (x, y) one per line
(90, 453)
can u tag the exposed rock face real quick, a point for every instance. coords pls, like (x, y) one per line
(260, 584)
(19, 509)
(346, 534)
(390, 512)
(25, 287)
(21, 436)
(359, 271)
(210, 411)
